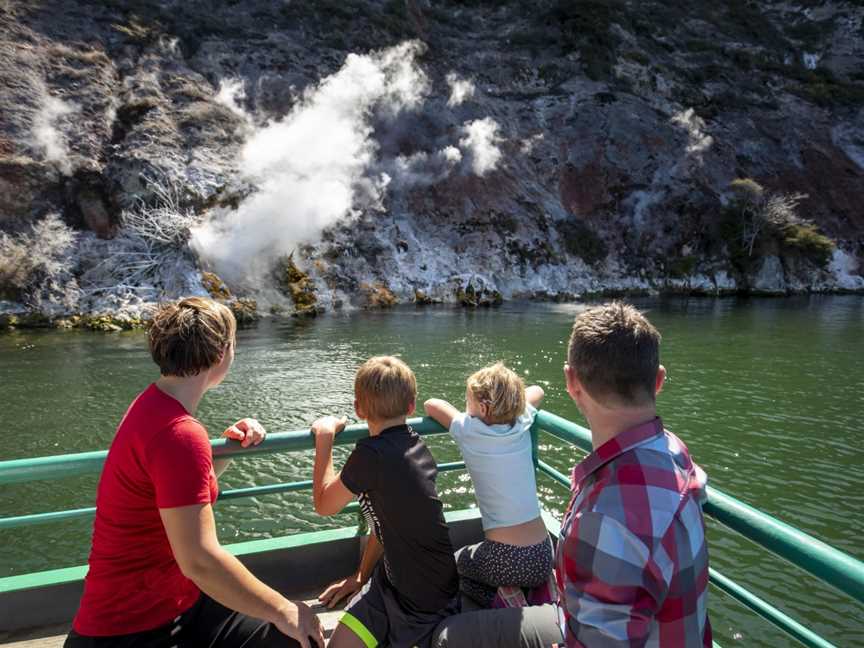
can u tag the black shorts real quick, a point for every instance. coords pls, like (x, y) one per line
(378, 617)
(207, 624)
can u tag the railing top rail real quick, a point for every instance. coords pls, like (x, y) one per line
(68, 465)
(805, 551)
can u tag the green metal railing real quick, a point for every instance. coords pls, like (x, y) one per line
(802, 550)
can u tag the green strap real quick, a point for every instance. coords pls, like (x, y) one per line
(359, 629)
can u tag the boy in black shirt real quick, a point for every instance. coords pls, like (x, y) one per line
(392, 472)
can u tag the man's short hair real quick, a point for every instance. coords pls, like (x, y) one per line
(190, 336)
(615, 352)
(385, 388)
(501, 390)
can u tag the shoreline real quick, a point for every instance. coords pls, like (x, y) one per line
(248, 315)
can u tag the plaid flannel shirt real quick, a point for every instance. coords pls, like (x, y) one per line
(632, 558)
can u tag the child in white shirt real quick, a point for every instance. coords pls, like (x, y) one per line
(494, 437)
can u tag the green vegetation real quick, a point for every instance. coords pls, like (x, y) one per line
(681, 267)
(214, 285)
(756, 219)
(807, 241)
(245, 311)
(473, 298)
(296, 284)
(582, 241)
(377, 294)
(584, 26)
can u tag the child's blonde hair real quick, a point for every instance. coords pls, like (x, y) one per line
(501, 390)
(385, 388)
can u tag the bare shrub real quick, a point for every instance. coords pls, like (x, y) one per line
(32, 259)
(152, 242)
(755, 215)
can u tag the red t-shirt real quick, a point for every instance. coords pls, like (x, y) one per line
(160, 458)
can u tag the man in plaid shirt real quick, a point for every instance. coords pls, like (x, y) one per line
(632, 557)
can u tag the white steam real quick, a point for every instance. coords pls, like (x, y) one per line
(231, 94)
(481, 141)
(311, 168)
(46, 135)
(461, 89)
(697, 140)
(323, 162)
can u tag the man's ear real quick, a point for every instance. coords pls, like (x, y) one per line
(574, 387)
(359, 410)
(411, 408)
(660, 380)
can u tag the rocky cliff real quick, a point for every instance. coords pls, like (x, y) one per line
(363, 153)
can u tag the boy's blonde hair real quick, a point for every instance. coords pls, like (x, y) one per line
(501, 390)
(190, 335)
(385, 388)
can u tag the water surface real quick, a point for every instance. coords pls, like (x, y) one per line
(768, 394)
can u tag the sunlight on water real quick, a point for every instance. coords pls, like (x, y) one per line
(768, 394)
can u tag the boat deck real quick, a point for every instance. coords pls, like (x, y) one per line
(53, 636)
(36, 609)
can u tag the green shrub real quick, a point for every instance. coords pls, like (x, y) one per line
(584, 26)
(807, 241)
(756, 216)
(681, 267)
(582, 241)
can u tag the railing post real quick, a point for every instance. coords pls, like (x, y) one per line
(535, 444)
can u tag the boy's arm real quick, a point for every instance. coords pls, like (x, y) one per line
(441, 411)
(345, 588)
(329, 493)
(534, 395)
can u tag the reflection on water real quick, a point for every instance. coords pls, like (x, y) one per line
(768, 394)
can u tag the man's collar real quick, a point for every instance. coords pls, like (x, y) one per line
(614, 447)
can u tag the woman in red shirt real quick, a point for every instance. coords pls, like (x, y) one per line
(158, 576)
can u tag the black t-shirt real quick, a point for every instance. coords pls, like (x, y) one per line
(394, 476)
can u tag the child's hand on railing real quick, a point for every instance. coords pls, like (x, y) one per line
(328, 427)
(247, 431)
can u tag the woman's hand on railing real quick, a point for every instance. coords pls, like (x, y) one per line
(247, 431)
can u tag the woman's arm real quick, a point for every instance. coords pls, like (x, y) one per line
(441, 411)
(534, 395)
(191, 530)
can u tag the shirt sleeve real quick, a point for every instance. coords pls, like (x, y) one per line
(527, 418)
(610, 591)
(459, 425)
(180, 464)
(360, 472)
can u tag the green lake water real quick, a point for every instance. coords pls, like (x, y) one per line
(768, 394)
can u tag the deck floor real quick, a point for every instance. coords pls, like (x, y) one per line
(54, 636)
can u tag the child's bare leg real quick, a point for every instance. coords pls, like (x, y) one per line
(344, 637)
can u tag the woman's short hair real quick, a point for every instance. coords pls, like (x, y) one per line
(501, 389)
(190, 336)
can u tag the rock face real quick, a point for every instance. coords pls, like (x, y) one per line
(618, 127)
